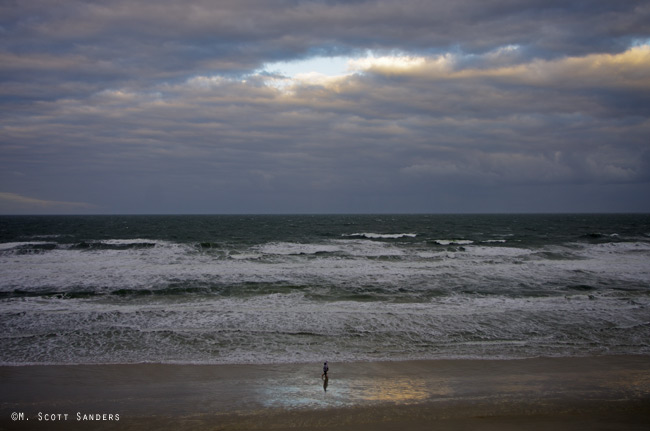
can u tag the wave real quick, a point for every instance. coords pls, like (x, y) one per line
(33, 247)
(288, 328)
(453, 241)
(27, 247)
(395, 271)
(210, 290)
(295, 248)
(115, 245)
(341, 248)
(370, 235)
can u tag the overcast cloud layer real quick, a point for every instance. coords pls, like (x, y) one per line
(464, 106)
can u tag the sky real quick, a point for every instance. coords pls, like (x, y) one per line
(303, 106)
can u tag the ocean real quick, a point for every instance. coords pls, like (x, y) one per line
(307, 288)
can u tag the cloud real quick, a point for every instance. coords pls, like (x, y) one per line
(399, 109)
(629, 68)
(395, 63)
(15, 203)
(168, 38)
(398, 106)
(153, 106)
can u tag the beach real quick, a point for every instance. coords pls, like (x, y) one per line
(601, 392)
(223, 322)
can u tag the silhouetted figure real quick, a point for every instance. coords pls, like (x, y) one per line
(323, 376)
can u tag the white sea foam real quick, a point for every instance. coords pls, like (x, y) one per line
(292, 248)
(270, 328)
(348, 299)
(498, 251)
(349, 262)
(245, 256)
(132, 242)
(352, 247)
(17, 245)
(453, 241)
(371, 235)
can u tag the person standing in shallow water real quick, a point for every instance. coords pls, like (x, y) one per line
(323, 376)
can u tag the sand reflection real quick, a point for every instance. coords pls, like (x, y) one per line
(363, 386)
(401, 390)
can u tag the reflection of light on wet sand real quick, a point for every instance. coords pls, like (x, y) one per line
(366, 385)
(401, 390)
(394, 390)
(305, 391)
(398, 390)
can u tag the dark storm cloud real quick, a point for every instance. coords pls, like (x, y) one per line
(447, 106)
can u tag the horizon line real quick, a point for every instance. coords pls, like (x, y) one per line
(332, 213)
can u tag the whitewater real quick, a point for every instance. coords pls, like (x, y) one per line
(284, 289)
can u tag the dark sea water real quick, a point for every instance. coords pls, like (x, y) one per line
(279, 289)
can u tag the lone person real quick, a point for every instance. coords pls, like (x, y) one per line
(324, 376)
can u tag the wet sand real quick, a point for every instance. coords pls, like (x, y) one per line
(605, 393)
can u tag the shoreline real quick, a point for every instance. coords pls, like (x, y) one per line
(612, 392)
